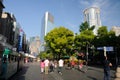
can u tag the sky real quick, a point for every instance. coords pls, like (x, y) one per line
(67, 13)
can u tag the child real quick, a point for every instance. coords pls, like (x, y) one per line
(72, 64)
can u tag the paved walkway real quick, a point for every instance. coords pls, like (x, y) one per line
(31, 71)
(93, 73)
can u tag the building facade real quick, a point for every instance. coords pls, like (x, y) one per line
(11, 34)
(1, 7)
(92, 16)
(16, 34)
(116, 30)
(34, 46)
(47, 26)
(7, 27)
(1, 10)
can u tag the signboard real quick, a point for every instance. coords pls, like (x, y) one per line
(99, 48)
(107, 48)
(6, 51)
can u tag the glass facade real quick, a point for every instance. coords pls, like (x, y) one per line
(47, 26)
(92, 16)
(50, 26)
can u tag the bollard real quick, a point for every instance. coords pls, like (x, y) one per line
(117, 73)
(117, 78)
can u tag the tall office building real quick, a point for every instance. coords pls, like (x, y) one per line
(92, 16)
(47, 26)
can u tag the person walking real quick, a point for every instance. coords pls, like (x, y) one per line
(51, 66)
(46, 66)
(55, 64)
(42, 66)
(106, 64)
(60, 64)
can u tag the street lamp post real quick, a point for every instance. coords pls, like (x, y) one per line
(87, 52)
(105, 51)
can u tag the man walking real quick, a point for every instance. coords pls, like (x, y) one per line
(60, 63)
(107, 65)
(46, 62)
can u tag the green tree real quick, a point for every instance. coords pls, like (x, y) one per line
(118, 46)
(85, 26)
(85, 37)
(105, 37)
(102, 31)
(59, 40)
(111, 39)
(102, 37)
(44, 55)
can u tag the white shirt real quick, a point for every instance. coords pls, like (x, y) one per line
(46, 62)
(61, 62)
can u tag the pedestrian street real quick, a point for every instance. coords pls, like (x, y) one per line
(31, 71)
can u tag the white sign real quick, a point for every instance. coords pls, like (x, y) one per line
(107, 48)
(99, 48)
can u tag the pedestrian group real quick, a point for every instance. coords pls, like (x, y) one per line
(51, 65)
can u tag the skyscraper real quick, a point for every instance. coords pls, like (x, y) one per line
(47, 26)
(92, 16)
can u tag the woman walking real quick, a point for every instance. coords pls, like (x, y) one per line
(42, 66)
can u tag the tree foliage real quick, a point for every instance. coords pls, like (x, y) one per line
(102, 31)
(59, 39)
(85, 26)
(85, 37)
(105, 37)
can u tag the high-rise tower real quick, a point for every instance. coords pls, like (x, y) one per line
(92, 16)
(47, 26)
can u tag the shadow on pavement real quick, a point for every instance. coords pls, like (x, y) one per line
(101, 67)
(20, 75)
(91, 68)
(92, 78)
